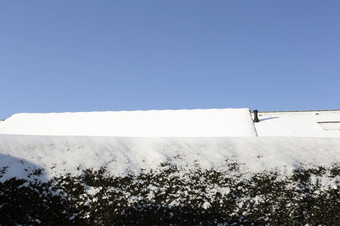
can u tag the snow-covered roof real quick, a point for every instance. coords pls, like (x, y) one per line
(154, 123)
(299, 124)
(176, 123)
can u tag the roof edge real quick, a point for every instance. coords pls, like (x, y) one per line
(299, 111)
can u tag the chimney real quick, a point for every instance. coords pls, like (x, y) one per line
(256, 118)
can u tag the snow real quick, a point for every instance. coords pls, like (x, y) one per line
(70, 154)
(155, 123)
(132, 142)
(299, 124)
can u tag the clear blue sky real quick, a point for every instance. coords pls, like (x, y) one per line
(66, 56)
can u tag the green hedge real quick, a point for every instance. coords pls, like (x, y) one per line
(174, 196)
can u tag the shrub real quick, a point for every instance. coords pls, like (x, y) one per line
(174, 196)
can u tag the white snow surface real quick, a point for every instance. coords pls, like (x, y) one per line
(299, 124)
(153, 123)
(58, 155)
(130, 142)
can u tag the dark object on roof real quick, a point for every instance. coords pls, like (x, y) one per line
(256, 118)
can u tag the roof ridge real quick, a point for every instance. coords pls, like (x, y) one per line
(299, 111)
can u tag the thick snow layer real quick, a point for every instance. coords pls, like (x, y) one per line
(156, 123)
(67, 154)
(299, 124)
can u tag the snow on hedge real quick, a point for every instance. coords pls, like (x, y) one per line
(198, 166)
(58, 155)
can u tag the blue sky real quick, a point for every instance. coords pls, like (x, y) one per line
(66, 56)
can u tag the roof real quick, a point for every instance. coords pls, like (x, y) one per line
(299, 123)
(155, 123)
(227, 122)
